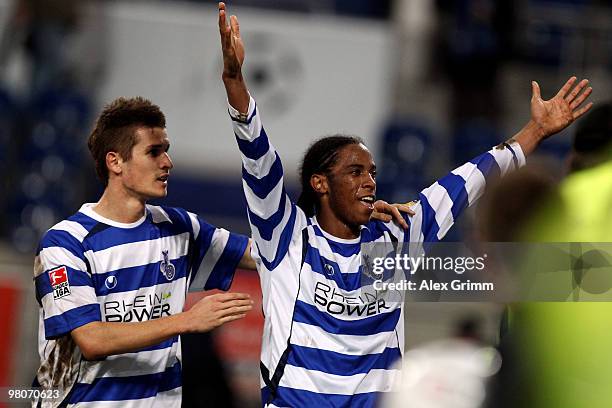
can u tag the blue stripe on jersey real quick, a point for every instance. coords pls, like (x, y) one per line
(266, 226)
(59, 238)
(341, 248)
(137, 277)
(223, 272)
(127, 388)
(112, 237)
(59, 325)
(429, 226)
(487, 165)
(382, 322)
(289, 397)
(87, 222)
(75, 278)
(341, 364)
(261, 187)
(346, 281)
(283, 242)
(256, 148)
(455, 187)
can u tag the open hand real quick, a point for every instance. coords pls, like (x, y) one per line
(556, 114)
(385, 212)
(214, 310)
(231, 45)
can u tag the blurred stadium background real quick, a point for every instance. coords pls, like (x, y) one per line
(427, 84)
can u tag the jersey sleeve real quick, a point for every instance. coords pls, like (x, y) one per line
(441, 203)
(272, 215)
(216, 253)
(64, 287)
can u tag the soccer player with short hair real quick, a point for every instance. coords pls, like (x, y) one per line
(328, 339)
(111, 280)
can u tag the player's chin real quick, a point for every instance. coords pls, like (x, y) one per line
(361, 215)
(159, 193)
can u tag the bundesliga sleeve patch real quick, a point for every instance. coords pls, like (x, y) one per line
(59, 282)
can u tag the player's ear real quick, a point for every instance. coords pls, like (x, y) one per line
(113, 163)
(318, 182)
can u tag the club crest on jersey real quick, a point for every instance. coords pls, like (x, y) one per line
(59, 282)
(166, 267)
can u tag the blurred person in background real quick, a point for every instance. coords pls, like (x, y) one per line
(111, 280)
(556, 354)
(320, 347)
(447, 373)
(561, 350)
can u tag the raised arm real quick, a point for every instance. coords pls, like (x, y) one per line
(441, 203)
(272, 215)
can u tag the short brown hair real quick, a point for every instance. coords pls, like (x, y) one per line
(114, 129)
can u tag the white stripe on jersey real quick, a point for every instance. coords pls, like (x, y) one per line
(438, 198)
(137, 253)
(194, 224)
(73, 228)
(131, 364)
(504, 158)
(265, 211)
(467, 171)
(61, 256)
(416, 223)
(311, 336)
(315, 381)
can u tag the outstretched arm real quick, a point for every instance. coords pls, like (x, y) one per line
(272, 215)
(441, 203)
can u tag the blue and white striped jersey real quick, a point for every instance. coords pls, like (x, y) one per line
(89, 268)
(328, 341)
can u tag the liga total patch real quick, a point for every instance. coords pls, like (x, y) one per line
(59, 282)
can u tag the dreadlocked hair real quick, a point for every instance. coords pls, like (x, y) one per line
(319, 159)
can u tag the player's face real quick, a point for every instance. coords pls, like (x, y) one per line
(146, 174)
(352, 185)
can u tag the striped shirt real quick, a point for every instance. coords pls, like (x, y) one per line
(329, 341)
(89, 268)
